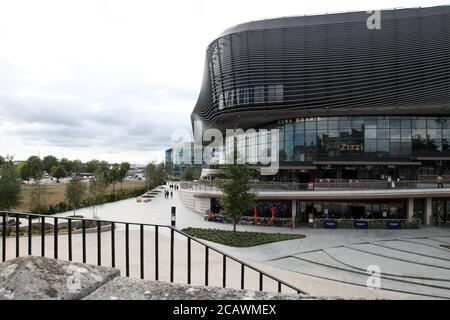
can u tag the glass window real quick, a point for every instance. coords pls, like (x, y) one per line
(395, 148)
(299, 138)
(405, 148)
(258, 94)
(288, 134)
(370, 133)
(289, 127)
(383, 133)
(370, 146)
(289, 150)
(394, 123)
(345, 123)
(383, 146)
(271, 93)
(299, 126)
(370, 123)
(322, 123)
(310, 125)
(406, 122)
(419, 134)
(333, 133)
(310, 137)
(383, 123)
(433, 123)
(395, 134)
(446, 134)
(406, 134)
(333, 124)
(419, 123)
(433, 133)
(279, 93)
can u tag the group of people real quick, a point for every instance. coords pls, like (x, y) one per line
(169, 192)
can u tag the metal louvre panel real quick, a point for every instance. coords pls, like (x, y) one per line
(329, 64)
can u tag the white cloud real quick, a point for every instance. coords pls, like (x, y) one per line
(112, 79)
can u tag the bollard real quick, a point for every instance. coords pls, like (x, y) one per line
(173, 215)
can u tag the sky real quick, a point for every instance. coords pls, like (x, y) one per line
(114, 79)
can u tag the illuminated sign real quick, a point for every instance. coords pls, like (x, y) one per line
(352, 147)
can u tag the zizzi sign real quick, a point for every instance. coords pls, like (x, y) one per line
(352, 147)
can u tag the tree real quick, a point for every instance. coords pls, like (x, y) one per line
(49, 162)
(10, 186)
(38, 199)
(58, 172)
(114, 175)
(92, 166)
(24, 171)
(76, 167)
(97, 189)
(236, 198)
(75, 192)
(124, 167)
(35, 167)
(67, 164)
(188, 173)
(155, 175)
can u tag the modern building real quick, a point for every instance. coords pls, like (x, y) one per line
(180, 157)
(351, 102)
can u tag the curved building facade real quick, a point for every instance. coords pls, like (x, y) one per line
(349, 101)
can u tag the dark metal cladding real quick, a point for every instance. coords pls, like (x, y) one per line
(328, 65)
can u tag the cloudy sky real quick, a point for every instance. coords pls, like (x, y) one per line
(114, 79)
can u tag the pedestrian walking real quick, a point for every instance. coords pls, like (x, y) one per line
(440, 182)
(171, 194)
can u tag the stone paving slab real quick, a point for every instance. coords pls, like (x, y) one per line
(388, 266)
(122, 288)
(415, 248)
(37, 278)
(324, 259)
(417, 258)
(330, 273)
(428, 242)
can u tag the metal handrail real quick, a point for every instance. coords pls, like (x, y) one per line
(99, 223)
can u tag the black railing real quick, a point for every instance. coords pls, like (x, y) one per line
(27, 238)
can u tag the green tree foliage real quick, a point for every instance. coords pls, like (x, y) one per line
(124, 167)
(35, 168)
(92, 166)
(155, 174)
(114, 175)
(49, 162)
(75, 192)
(97, 188)
(58, 172)
(76, 167)
(24, 171)
(38, 199)
(188, 173)
(237, 198)
(10, 185)
(67, 164)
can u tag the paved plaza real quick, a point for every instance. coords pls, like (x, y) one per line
(329, 263)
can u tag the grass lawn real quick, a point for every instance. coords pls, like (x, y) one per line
(56, 193)
(445, 246)
(239, 238)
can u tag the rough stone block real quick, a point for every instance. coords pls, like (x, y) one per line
(37, 278)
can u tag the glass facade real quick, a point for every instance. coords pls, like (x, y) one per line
(309, 139)
(353, 137)
(385, 209)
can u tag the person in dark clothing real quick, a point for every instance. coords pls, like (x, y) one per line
(171, 194)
